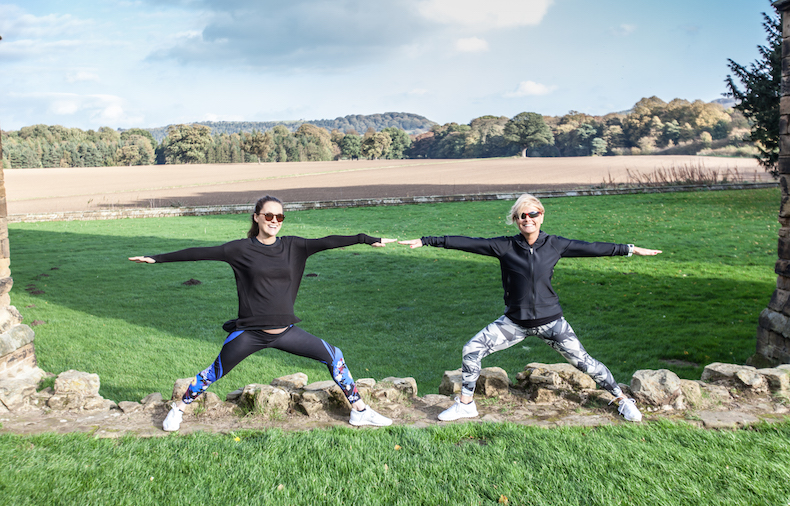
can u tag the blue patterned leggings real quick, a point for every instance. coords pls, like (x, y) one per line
(243, 343)
(504, 333)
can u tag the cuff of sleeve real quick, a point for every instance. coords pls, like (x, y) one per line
(630, 249)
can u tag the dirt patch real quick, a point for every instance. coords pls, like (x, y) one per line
(34, 191)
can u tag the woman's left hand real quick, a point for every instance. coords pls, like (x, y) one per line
(644, 252)
(382, 243)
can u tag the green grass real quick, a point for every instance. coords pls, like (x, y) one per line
(656, 464)
(401, 312)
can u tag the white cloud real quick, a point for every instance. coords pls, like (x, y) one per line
(16, 24)
(484, 15)
(471, 45)
(418, 92)
(80, 76)
(107, 109)
(530, 88)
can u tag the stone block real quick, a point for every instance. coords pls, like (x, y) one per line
(266, 399)
(14, 338)
(656, 388)
(19, 362)
(129, 406)
(452, 383)
(6, 284)
(9, 317)
(562, 375)
(77, 382)
(15, 393)
(153, 398)
(771, 345)
(406, 386)
(544, 396)
(291, 382)
(779, 300)
(321, 396)
(493, 382)
(778, 379)
(692, 392)
(5, 262)
(739, 376)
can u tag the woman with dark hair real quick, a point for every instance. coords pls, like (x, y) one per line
(527, 262)
(268, 272)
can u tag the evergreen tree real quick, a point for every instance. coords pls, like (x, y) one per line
(759, 99)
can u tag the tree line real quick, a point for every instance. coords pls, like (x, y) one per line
(652, 126)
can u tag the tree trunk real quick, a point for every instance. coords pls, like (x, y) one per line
(524, 152)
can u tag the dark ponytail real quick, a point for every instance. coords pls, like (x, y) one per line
(253, 232)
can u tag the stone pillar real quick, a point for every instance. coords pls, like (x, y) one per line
(773, 331)
(18, 370)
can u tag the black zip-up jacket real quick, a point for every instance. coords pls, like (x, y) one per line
(527, 270)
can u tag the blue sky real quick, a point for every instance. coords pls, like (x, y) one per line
(149, 63)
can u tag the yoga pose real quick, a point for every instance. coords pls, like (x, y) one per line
(527, 262)
(268, 272)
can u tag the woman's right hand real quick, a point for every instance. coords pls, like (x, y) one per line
(413, 243)
(143, 260)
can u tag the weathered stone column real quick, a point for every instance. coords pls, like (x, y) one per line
(773, 332)
(19, 373)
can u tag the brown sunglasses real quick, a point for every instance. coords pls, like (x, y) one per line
(271, 217)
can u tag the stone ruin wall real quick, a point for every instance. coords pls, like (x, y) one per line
(773, 331)
(17, 356)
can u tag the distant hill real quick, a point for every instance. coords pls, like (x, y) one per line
(727, 103)
(411, 123)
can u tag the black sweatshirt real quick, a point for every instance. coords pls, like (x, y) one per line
(527, 270)
(267, 276)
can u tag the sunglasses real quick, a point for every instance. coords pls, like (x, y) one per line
(271, 216)
(531, 214)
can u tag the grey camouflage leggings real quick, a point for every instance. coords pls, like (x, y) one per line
(504, 333)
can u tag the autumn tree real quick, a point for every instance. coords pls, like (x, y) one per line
(259, 144)
(528, 130)
(186, 143)
(375, 145)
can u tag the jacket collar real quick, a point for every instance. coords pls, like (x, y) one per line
(522, 241)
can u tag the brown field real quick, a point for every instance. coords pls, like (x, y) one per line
(93, 188)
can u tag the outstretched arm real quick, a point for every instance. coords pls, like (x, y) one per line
(644, 252)
(413, 243)
(382, 243)
(143, 260)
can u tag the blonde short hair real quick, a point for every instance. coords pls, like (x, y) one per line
(526, 200)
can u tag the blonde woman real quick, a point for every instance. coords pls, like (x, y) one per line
(527, 261)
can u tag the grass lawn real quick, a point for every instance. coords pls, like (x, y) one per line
(467, 464)
(401, 312)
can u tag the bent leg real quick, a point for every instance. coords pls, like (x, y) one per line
(560, 336)
(238, 346)
(499, 335)
(299, 342)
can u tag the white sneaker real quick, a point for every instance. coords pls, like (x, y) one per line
(628, 409)
(458, 410)
(173, 420)
(368, 417)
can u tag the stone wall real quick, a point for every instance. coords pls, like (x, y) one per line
(18, 369)
(773, 331)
